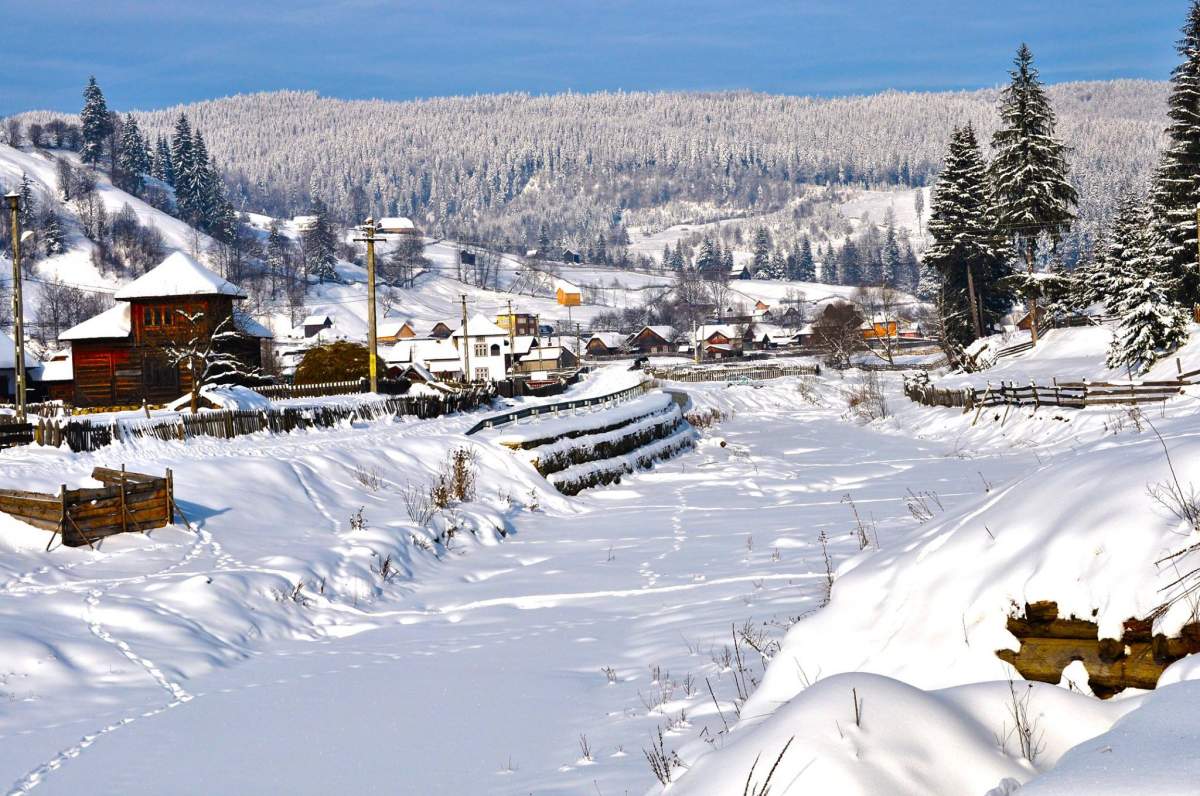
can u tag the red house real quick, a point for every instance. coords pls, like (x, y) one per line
(120, 357)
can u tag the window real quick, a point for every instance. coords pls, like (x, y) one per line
(147, 316)
(495, 350)
(482, 374)
(155, 317)
(481, 350)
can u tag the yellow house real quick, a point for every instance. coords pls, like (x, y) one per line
(567, 294)
(880, 328)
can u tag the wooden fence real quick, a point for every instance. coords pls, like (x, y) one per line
(1069, 394)
(349, 387)
(89, 435)
(127, 502)
(733, 374)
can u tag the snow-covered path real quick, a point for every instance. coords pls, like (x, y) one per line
(482, 673)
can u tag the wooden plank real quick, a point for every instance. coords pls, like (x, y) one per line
(106, 474)
(89, 511)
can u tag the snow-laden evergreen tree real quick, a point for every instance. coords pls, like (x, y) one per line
(95, 123)
(1152, 325)
(966, 252)
(1030, 176)
(27, 211)
(762, 252)
(164, 169)
(849, 265)
(183, 165)
(889, 258)
(806, 266)
(133, 163)
(1176, 187)
(1124, 260)
(52, 238)
(320, 246)
(707, 259)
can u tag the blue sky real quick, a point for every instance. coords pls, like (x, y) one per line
(149, 54)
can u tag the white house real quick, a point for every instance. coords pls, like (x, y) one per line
(486, 346)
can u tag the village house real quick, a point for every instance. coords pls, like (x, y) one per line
(121, 356)
(487, 348)
(52, 378)
(8, 367)
(602, 344)
(879, 327)
(566, 294)
(390, 330)
(313, 324)
(521, 323)
(571, 256)
(543, 358)
(440, 357)
(653, 340)
(440, 331)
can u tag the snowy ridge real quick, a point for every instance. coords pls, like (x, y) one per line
(530, 434)
(557, 455)
(605, 471)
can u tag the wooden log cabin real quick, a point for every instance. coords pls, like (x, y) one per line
(120, 356)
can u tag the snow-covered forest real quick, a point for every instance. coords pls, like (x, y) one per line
(501, 168)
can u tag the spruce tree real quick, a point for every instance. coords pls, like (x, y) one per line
(28, 205)
(707, 260)
(53, 240)
(1176, 187)
(95, 123)
(889, 259)
(806, 266)
(849, 264)
(966, 252)
(182, 164)
(134, 161)
(762, 251)
(320, 246)
(1030, 184)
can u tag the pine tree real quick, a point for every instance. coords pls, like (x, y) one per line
(707, 261)
(889, 259)
(1030, 184)
(762, 251)
(806, 266)
(666, 255)
(678, 259)
(134, 161)
(95, 121)
(28, 205)
(53, 240)
(182, 165)
(1152, 326)
(278, 255)
(164, 168)
(849, 264)
(1176, 187)
(320, 246)
(967, 250)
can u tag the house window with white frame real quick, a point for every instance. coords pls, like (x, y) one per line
(483, 374)
(481, 349)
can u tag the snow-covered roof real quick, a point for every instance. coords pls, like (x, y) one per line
(522, 343)
(422, 350)
(390, 327)
(565, 286)
(248, 326)
(8, 354)
(395, 224)
(111, 324)
(609, 339)
(547, 354)
(709, 329)
(665, 332)
(178, 275)
(480, 326)
(316, 320)
(57, 368)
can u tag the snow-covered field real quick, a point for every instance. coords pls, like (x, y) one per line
(552, 624)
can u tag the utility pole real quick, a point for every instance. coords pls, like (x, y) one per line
(466, 343)
(512, 337)
(14, 204)
(372, 341)
(696, 340)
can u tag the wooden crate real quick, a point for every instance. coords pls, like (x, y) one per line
(128, 502)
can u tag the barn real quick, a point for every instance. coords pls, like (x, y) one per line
(120, 357)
